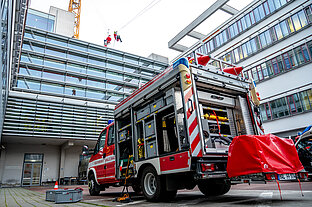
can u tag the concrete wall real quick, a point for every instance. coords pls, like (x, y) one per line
(72, 161)
(64, 21)
(14, 158)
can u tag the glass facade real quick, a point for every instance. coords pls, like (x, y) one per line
(276, 33)
(287, 106)
(287, 61)
(245, 22)
(10, 40)
(61, 66)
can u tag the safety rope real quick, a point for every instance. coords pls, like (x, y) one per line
(217, 122)
(300, 187)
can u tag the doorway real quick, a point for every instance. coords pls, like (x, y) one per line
(32, 169)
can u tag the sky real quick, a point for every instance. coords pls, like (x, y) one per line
(145, 26)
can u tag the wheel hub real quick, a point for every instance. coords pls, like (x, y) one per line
(150, 184)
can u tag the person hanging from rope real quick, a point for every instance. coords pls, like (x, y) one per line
(107, 41)
(115, 35)
(118, 38)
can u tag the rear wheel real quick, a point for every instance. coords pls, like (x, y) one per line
(151, 184)
(214, 187)
(94, 188)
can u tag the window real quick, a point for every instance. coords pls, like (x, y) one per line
(114, 76)
(299, 55)
(309, 14)
(247, 19)
(302, 18)
(272, 34)
(290, 25)
(309, 44)
(77, 57)
(263, 40)
(253, 45)
(284, 28)
(306, 103)
(277, 4)
(255, 74)
(76, 68)
(248, 47)
(294, 104)
(278, 31)
(305, 53)
(258, 44)
(28, 84)
(269, 67)
(102, 140)
(243, 21)
(111, 136)
(34, 72)
(263, 114)
(57, 41)
(77, 46)
(266, 8)
(280, 63)
(236, 55)
(97, 51)
(287, 61)
(55, 52)
(260, 75)
(75, 79)
(279, 108)
(52, 88)
(235, 29)
(257, 14)
(265, 71)
(53, 75)
(275, 66)
(96, 61)
(271, 5)
(94, 94)
(75, 91)
(252, 17)
(54, 63)
(96, 72)
(268, 37)
(244, 50)
(261, 11)
(296, 21)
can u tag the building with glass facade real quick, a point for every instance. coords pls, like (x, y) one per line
(63, 93)
(12, 14)
(272, 40)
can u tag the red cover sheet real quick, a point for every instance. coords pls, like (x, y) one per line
(250, 154)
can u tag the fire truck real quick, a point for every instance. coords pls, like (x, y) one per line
(174, 133)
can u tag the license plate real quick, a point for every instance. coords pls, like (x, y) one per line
(288, 176)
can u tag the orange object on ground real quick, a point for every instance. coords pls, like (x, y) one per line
(56, 186)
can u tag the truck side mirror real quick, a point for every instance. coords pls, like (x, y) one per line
(86, 151)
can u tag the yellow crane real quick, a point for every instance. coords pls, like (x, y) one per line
(75, 8)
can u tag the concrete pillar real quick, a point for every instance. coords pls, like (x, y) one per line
(65, 146)
(2, 163)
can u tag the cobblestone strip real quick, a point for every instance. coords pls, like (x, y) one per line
(14, 198)
(33, 197)
(19, 194)
(3, 197)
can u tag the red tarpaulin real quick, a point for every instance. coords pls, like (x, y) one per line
(250, 154)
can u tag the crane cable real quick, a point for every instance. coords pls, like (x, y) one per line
(145, 9)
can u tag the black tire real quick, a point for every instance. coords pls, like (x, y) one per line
(137, 188)
(168, 195)
(214, 187)
(151, 184)
(94, 188)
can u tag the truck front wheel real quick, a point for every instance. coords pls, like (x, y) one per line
(214, 187)
(94, 188)
(151, 184)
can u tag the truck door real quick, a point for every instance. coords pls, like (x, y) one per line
(98, 159)
(109, 156)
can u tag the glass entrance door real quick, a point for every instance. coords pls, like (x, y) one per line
(32, 169)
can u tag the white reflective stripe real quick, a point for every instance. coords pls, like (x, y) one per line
(196, 150)
(191, 118)
(96, 163)
(194, 134)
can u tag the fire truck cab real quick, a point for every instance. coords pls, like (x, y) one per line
(174, 132)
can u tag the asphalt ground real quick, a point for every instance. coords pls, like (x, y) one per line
(239, 195)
